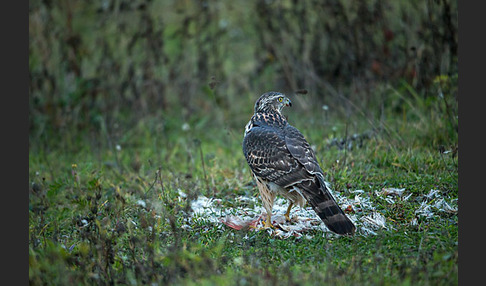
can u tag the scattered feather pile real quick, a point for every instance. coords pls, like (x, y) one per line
(248, 214)
(434, 203)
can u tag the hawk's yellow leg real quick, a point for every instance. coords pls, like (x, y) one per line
(268, 222)
(287, 214)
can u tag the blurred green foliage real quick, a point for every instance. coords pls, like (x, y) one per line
(102, 64)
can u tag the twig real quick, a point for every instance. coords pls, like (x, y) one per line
(157, 175)
(198, 144)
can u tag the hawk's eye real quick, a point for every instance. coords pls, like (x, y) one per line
(280, 99)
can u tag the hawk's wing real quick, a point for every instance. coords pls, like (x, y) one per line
(314, 186)
(301, 150)
(269, 158)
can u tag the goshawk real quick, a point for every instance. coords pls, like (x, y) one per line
(282, 162)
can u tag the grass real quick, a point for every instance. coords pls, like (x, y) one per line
(106, 209)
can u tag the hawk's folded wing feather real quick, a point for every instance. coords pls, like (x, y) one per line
(301, 150)
(268, 156)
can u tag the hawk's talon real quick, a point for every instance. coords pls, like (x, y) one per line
(268, 225)
(268, 222)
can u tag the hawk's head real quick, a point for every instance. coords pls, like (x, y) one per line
(272, 101)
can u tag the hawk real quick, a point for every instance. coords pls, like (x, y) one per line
(282, 162)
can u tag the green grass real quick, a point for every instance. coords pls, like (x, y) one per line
(88, 226)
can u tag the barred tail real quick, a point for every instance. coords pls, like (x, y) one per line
(323, 203)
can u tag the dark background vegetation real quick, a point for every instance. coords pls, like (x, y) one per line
(116, 62)
(133, 100)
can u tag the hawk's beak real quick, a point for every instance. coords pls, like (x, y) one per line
(288, 102)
